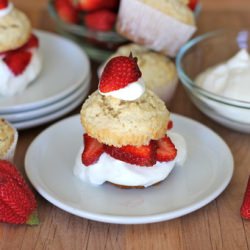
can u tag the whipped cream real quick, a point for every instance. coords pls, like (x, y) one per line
(229, 79)
(6, 11)
(122, 173)
(11, 84)
(131, 92)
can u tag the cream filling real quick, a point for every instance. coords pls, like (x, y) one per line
(121, 173)
(6, 11)
(11, 84)
(131, 92)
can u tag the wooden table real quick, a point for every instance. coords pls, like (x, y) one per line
(216, 226)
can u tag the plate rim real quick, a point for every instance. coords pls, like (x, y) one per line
(137, 219)
(47, 109)
(31, 123)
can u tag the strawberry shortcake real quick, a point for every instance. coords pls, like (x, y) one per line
(126, 141)
(20, 61)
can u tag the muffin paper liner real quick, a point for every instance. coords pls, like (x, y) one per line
(152, 28)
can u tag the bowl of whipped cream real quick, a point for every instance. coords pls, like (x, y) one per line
(215, 71)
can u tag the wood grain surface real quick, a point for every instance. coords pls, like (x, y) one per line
(215, 226)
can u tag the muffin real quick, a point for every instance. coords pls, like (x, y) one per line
(20, 61)
(8, 140)
(163, 25)
(159, 72)
(125, 124)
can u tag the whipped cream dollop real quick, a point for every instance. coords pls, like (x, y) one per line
(7, 10)
(122, 173)
(131, 92)
(229, 79)
(11, 84)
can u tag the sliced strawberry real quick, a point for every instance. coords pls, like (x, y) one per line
(3, 4)
(245, 207)
(192, 4)
(119, 72)
(141, 156)
(101, 20)
(166, 150)
(92, 150)
(17, 61)
(170, 124)
(91, 5)
(66, 11)
(33, 42)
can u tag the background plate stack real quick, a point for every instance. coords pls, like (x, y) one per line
(61, 86)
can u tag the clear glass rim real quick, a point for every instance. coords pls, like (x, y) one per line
(81, 30)
(195, 89)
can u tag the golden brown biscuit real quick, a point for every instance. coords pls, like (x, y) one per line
(8, 140)
(15, 30)
(118, 123)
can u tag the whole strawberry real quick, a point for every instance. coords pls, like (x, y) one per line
(101, 20)
(245, 207)
(119, 72)
(66, 11)
(17, 202)
(91, 5)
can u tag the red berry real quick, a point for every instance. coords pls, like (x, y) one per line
(101, 20)
(170, 124)
(118, 73)
(66, 11)
(245, 207)
(17, 202)
(141, 156)
(17, 61)
(3, 4)
(192, 4)
(92, 150)
(166, 150)
(91, 5)
(33, 42)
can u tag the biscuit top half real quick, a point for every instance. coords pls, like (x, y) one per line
(15, 29)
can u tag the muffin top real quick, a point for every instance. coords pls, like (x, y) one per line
(116, 122)
(176, 9)
(7, 136)
(157, 69)
(15, 30)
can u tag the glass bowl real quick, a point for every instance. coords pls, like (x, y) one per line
(97, 44)
(202, 53)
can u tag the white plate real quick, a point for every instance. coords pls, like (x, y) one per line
(51, 116)
(44, 110)
(50, 159)
(65, 68)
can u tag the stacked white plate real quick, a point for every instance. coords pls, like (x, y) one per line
(61, 86)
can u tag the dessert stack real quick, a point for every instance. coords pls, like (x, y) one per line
(20, 61)
(125, 124)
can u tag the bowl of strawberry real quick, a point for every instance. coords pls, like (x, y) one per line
(90, 23)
